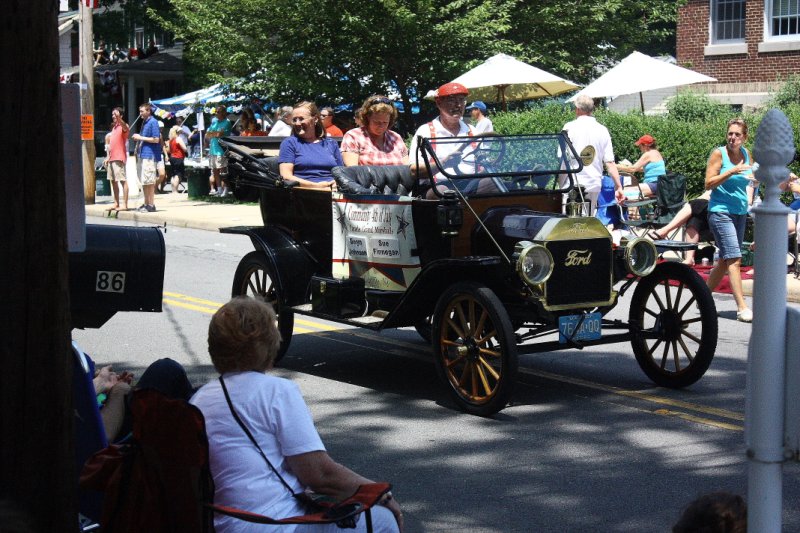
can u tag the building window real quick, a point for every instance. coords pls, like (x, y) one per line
(727, 20)
(784, 18)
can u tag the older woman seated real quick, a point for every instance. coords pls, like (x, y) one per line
(243, 340)
(307, 156)
(374, 143)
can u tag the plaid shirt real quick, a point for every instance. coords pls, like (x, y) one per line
(357, 141)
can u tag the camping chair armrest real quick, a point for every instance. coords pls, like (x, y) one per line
(640, 203)
(366, 497)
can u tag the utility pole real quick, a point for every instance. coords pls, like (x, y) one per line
(87, 97)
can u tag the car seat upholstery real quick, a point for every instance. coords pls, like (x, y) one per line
(390, 179)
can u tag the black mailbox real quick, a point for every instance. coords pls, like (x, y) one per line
(122, 269)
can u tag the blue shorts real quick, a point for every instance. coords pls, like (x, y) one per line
(728, 233)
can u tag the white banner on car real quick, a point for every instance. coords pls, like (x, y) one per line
(373, 238)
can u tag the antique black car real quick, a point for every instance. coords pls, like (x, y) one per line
(478, 259)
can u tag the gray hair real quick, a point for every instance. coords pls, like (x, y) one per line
(585, 103)
(284, 112)
(329, 110)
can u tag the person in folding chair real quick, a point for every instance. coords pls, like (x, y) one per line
(263, 446)
(651, 164)
(728, 174)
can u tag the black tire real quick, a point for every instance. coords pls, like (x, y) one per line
(253, 277)
(423, 327)
(685, 325)
(474, 347)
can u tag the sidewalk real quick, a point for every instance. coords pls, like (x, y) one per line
(178, 210)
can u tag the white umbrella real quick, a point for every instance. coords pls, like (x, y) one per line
(502, 78)
(638, 73)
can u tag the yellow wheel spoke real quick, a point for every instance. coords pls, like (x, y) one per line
(474, 382)
(464, 375)
(448, 342)
(489, 368)
(487, 351)
(486, 388)
(455, 327)
(455, 361)
(472, 330)
(481, 322)
(462, 319)
(483, 340)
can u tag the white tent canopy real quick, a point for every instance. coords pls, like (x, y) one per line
(502, 77)
(638, 73)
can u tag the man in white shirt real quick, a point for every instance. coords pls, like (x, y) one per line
(593, 143)
(480, 121)
(458, 158)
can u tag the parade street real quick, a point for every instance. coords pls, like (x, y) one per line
(588, 444)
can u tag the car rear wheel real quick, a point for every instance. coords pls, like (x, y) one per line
(673, 320)
(254, 278)
(474, 348)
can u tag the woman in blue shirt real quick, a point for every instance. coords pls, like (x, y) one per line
(307, 156)
(651, 163)
(727, 175)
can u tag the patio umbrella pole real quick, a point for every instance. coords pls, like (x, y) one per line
(641, 101)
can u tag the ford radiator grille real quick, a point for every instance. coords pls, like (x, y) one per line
(582, 272)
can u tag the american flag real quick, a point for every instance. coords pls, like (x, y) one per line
(92, 4)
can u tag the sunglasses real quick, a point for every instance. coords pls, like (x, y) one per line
(380, 100)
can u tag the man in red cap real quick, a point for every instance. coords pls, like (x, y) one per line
(451, 99)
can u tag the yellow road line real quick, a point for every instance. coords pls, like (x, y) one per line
(713, 411)
(317, 328)
(211, 308)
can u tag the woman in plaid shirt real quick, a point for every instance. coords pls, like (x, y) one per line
(374, 143)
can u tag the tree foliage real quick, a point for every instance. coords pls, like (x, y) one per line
(334, 52)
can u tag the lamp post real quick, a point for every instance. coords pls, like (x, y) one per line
(766, 359)
(86, 49)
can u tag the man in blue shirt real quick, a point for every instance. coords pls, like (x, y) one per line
(148, 156)
(216, 154)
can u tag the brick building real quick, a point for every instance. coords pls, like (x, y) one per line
(747, 46)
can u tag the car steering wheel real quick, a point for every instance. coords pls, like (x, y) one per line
(490, 153)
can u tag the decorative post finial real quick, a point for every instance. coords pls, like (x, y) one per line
(773, 150)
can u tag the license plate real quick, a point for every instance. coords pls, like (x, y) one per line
(589, 329)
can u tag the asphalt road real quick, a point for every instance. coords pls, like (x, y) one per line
(589, 444)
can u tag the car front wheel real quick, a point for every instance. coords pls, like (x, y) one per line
(474, 348)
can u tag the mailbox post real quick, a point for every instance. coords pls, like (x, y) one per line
(766, 360)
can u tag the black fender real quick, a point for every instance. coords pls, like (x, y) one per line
(290, 262)
(421, 296)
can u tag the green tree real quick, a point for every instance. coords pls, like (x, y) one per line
(335, 51)
(576, 39)
(332, 51)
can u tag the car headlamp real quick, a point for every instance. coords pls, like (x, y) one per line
(535, 263)
(640, 256)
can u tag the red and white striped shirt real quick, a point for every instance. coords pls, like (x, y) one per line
(358, 142)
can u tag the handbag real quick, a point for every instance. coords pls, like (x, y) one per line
(313, 501)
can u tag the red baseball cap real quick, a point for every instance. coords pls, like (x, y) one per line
(451, 88)
(645, 139)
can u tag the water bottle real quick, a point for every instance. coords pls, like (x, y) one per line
(716, 255)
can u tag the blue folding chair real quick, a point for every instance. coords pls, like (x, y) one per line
(90, 434)
(608, 209)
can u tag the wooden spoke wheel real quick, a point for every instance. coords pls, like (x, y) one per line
(673, 320)
(474, 347)
(254, 278)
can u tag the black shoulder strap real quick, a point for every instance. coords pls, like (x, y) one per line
(250, 436)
